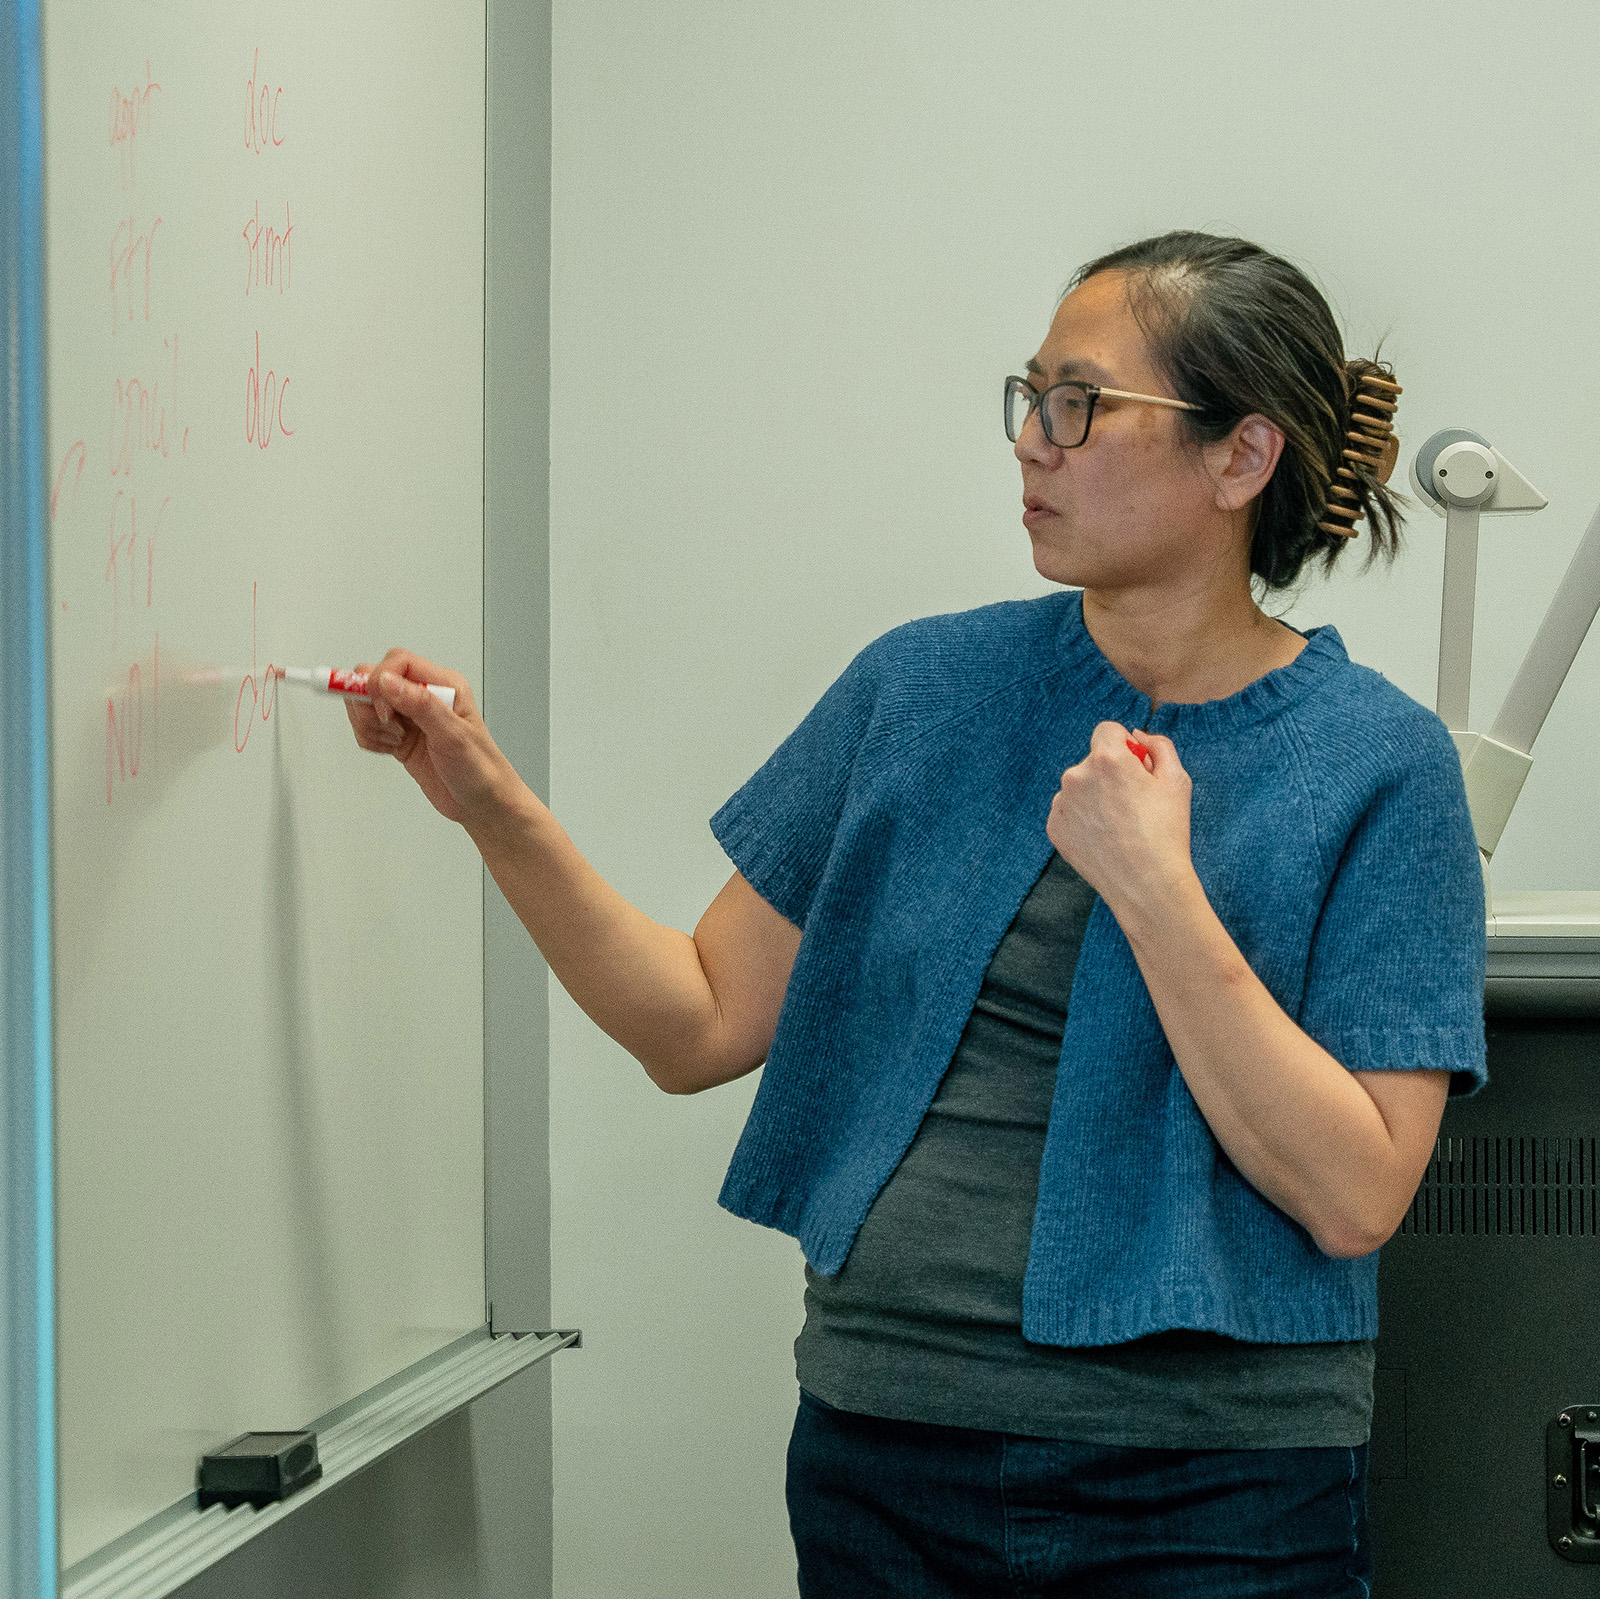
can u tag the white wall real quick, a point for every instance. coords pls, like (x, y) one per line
(795, 250)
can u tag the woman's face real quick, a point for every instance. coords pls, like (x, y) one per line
(1134, 504)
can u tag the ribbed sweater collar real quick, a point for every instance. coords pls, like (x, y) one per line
(1323, 655)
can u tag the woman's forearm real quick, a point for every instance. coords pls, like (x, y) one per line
(1293, 1120)
(641, 982)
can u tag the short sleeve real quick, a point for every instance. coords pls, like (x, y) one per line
(1395, 981)
(778, 829)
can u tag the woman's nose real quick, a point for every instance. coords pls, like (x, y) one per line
(1031, 443)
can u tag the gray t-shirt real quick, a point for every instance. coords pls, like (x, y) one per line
(924, 1321)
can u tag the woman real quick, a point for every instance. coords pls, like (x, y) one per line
(1096, 1071)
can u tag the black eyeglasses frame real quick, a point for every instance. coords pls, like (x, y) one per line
(1091, 393)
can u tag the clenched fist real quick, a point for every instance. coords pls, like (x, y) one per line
(1123, 821)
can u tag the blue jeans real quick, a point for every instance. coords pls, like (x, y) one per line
(917, 1511)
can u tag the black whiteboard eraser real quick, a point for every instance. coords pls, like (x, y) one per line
(258, 1469)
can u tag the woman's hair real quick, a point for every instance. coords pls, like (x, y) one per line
(1238, 330)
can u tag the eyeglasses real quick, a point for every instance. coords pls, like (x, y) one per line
(1067, 409)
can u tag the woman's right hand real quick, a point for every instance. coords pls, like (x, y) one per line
(694, 1012)
(448, 751)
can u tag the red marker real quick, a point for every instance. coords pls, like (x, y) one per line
(337, 680)
(1138, 749)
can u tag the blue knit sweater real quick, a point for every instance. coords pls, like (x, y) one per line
(900, 827)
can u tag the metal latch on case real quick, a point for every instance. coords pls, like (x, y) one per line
(1572, 1483)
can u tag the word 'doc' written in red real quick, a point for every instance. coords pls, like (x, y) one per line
(264, 392)
(261, 688)
(261, 109)
(125, 721)
(130, 117)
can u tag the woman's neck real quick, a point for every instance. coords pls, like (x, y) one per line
(1187, 646)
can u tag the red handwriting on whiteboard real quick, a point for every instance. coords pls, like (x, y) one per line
(142, 407)
(268, 250)
(125, 721)
(130, 271)
(124, 731)
(264, 392)
(261, 109)
(263, 689)
(138, 422)
(131, 574)
(74, 460)
(130, 116)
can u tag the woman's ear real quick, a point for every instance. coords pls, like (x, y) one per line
(1242, 463)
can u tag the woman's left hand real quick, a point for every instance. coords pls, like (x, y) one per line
(1123, 822)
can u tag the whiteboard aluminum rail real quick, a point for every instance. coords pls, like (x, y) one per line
(169, 1549)
(27, 1269)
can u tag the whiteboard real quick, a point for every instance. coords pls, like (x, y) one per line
(264, 313)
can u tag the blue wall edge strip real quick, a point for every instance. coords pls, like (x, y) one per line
(27, 1444)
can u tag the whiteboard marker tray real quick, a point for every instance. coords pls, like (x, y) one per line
(169, 1549)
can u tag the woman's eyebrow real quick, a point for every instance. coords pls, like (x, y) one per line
(1070, 369)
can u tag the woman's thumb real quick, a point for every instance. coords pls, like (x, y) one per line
(1162, 751)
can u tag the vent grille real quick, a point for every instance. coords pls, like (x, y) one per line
(1508, 1188)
